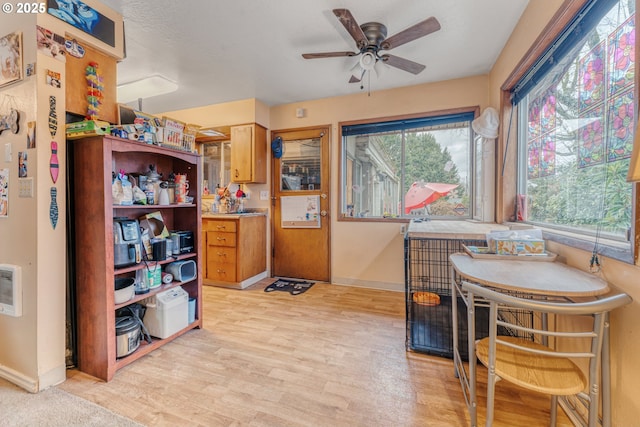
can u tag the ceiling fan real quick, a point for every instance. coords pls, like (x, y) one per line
(371, 38)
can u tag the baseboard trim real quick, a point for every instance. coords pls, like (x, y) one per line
(29, 384)
(386, 286)
(33, 385)
(237, 285)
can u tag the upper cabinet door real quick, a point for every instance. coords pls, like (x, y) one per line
(249, 154)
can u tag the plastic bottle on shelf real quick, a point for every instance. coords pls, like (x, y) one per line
(150, 193)
(163, 197)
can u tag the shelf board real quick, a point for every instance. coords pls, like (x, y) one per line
(175, 205)
(152, 292)
(141, 265)
(125, 146)
(146, 348)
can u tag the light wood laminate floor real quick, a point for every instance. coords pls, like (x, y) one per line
(333, 356)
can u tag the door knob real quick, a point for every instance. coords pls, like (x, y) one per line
(323, 213)
(323, 195)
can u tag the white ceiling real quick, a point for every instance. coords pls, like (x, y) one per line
(219, 50)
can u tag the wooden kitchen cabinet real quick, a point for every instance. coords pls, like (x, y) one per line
(94, 160)
(249, 154)
(236, 254)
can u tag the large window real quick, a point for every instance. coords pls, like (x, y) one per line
(576, 125)
(417, 167)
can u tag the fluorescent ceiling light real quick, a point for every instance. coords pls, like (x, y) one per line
(210, 132)
(145, 88)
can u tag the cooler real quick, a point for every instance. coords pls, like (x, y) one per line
(167, 312)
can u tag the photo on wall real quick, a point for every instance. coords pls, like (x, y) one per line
(10, 58)
(85, 18)
(4, 193)
(22, 164)
(31, 134)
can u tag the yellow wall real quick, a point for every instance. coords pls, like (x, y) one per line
(371, 254)
(227, 114)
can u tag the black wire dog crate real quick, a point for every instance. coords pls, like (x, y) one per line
(429, 322)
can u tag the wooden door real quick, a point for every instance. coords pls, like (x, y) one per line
(301, 223)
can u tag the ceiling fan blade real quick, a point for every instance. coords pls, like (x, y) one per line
(355, 79)
(327, 55)
(352, 27)
(403, 64)
(421, 29)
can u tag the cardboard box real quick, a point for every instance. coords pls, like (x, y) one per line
(520, 247)
(155, 224)
(153, 227)
(87, 128)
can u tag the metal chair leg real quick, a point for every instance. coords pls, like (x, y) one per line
(554, 410)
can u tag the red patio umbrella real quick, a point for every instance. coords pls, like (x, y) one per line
(422, 193)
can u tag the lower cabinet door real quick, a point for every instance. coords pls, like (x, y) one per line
(221, 263)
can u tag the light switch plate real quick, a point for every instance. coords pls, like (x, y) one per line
(7, 152)
(25, 187)
(264, 195)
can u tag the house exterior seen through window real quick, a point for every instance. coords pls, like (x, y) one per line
(419, 167)
(576, 127)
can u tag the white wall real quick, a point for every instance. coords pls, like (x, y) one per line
(32, 353)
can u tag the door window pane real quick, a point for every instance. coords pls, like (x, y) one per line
(300, 165)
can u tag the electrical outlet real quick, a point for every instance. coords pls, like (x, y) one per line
(264, 195)
(7, 152)
(402, 229)
(25, 187)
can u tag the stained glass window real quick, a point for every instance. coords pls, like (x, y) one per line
(578, 121)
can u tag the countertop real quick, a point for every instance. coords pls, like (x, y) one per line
(211, 215)
(459, 230)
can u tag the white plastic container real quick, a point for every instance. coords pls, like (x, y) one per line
(182, 271)
(167, 312)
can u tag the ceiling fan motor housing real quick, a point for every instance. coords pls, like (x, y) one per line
(375, 33)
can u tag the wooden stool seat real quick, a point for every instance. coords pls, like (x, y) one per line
(558, 376)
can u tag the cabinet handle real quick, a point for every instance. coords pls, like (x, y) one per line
(221, 271)
(219, 239)
(222, 254)
(237, 173)
(221, 227)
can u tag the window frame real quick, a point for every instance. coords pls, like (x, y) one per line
(508, 148)
(341, 216)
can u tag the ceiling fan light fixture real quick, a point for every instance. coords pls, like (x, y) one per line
(368, 61)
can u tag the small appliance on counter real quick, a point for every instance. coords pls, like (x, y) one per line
(185, 241)
(167, 312)
(127, 244)
(128, 335)
(124, 289)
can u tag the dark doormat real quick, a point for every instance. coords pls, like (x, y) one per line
(294, 287)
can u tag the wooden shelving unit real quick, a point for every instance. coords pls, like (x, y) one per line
(95, 159)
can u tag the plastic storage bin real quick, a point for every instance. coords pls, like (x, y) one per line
(167, 312)
(182, 271)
